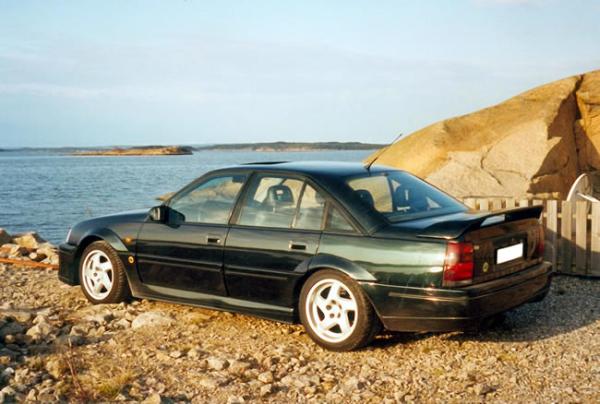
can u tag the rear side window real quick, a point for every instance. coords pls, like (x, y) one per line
(337, 222)
(310, 213)
(271, 202)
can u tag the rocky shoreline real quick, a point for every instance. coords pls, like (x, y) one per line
(27, 247)
(55, 346)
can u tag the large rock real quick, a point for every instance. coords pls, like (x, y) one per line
(534, 144)
(31, 240)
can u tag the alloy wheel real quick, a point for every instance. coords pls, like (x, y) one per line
(98, 274)
(331, 310)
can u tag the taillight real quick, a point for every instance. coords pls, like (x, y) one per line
(539, 249)
(458, 265)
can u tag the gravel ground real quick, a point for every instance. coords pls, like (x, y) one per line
(54, 345)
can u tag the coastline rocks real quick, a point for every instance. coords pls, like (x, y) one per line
(30, 241)
(534, 144)
(27, 246)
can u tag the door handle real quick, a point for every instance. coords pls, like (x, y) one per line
(297, 246)
(212, 239)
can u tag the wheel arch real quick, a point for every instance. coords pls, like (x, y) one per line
(101, 235)
(326, 261)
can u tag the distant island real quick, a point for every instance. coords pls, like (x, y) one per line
(290, 146)
(178, 150)
(139, 151)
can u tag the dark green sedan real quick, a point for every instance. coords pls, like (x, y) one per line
(345, 249)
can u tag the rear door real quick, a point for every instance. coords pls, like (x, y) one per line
(186, 251)
(277, 230)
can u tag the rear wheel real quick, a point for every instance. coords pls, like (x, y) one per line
(102, 274)
(336, 313)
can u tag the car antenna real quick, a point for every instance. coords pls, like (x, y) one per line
(380, 152)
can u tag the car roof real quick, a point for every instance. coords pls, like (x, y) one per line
(314, 168)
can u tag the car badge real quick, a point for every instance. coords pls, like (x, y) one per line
(486, 266)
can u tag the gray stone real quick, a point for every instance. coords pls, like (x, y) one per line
(11, 328)
(208, 382)
(266, 377)
(123, 324)
(40, 331)
(55, 368)
(217, 363)
(238, 367)
(266, 390)
(154, 398)
(176, 354)
(152, 318)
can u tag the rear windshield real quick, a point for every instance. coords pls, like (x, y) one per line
(400, 196)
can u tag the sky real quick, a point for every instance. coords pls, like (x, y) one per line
(93, 73)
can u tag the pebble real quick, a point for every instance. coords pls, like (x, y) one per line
(216, 363)
(266, 377)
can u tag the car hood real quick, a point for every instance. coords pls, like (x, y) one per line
(454, 225)
(138, 215)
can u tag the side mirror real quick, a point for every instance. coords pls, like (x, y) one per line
(158, 213)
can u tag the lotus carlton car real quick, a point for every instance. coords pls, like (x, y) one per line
(346, 250)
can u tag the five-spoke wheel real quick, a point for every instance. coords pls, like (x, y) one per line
(336, 313)
(102, 275)
(97, 274)
(332, 310)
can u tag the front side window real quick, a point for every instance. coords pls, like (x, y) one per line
(211, 201)
(400, 196)
(271, 202)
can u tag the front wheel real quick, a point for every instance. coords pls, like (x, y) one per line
(102, 274)
(336, 313)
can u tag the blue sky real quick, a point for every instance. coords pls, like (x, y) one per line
(87, 73)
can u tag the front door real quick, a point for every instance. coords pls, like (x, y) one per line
(186, 251)
(277, 232)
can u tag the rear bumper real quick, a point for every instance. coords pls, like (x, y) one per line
(430, 309)
(67, 270)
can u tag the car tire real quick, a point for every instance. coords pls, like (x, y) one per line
(102, 274)
(336, 313)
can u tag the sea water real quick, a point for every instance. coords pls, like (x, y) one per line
(48, 192)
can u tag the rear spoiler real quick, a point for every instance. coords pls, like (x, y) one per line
(455, 228)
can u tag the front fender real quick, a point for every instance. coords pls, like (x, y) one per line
(107, 235)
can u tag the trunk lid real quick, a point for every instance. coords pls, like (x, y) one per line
(504, 241)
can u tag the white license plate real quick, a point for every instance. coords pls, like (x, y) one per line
(509, 253)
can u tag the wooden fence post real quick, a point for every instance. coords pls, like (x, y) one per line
(551, 232)
(594, 268)
(581, 210)
(566, 233)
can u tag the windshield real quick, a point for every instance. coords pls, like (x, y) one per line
(400, 196)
